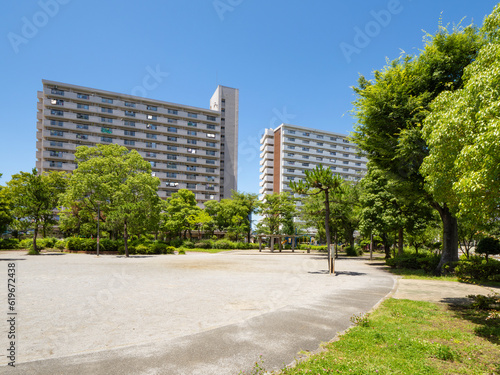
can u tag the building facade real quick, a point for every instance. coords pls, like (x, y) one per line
(289, 150)
(188, 147)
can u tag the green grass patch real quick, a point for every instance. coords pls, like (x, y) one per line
(411, 337)
(420, 274)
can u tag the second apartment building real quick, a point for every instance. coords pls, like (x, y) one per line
(289, 150)
(188, 147)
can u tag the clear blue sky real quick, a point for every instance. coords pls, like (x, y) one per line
(293, 61)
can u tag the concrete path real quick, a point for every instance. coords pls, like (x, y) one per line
(193, 314)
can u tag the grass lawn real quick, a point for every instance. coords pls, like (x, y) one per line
(411, 337)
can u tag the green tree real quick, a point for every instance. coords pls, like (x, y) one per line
(391, 108)
(250, 202)
(275, 210)
(462, 132)
(177, 210)
(320, 181)
(5, 209)
(119, 181)
(200, 220)
(34, 198)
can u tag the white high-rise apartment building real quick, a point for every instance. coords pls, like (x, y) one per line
(188, 147)
(289, 150)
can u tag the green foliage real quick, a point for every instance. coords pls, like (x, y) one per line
(60, 244)
(188, 244)
(49, 242)
(476, 268)
(275, 210)
(9, 244)
(5, 209)
(353, 251)
(206, 244)
(223, 244)
(488, 246)
(313, 247)
(182, 252)
(426, 261)
(27, 243)
(490, 302)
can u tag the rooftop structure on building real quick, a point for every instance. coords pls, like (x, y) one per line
(188, 147)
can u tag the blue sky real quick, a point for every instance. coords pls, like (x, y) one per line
(293, 61)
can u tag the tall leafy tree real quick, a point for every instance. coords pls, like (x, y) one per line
(34, 198)
(177, 210)
(321, 181)
(250, 202)
(463, 132)
(5, 209)
(275, 210)
(390, 110)
(116, 180)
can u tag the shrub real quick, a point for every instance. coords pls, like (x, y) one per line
(353, 251)
(49, 242)
(28, 244)
(425, 261)
(32, 252)
(158, 247)
(488, 246)
(105, 244)
(182, 252)
(9, 243)
(188, 244)
(176, 242)
(313, 247)
(143, 249)
(476, 268)
(61, 245)
(169, 250)
(204, 245)
(224, 244)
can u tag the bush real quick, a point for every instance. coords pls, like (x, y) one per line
(105, 244)
(224, 244)
(143, 249)
(9, 243)
(476, 268)
(169, 250)
(159, 247)
(207, 244)
(188, 244)
(353, 251)
(488, 246)
(28, 244)
(61, 245)
(182, 252)
(313, 247)
(425, 261)
(48, 242)
(176, 242)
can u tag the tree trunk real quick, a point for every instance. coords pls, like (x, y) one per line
(35, 234)
(327, 229)
(400, 241)
(387, 248)
(125, 238)
(450, 238)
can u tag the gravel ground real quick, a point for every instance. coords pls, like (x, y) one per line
(180, 314)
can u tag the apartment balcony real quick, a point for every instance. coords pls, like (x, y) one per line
(268, 145)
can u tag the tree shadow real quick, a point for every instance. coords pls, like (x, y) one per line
(487, 328)
(337, 273)
(12, 260)
(137, 256)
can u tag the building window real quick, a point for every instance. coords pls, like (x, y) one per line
(82, 96)
(290, 170)
(211, 118)
(82, 136)
(210, 161)
(152, 126)
(173, 111)
(345, 155)
(290, 155)
(106, 130)
(305, 156)
(305, 149)
(129, 104)
(152, 108)
(192, 132)
(151, 136)
(82, 116)
(191, 141)
(151, 117)
(172, 139)
(345, 140)
(171, 121)
(171, 148)
(56, 112)
(290, 178)
(151, 154)
(191, 186)
(129, 142)
(319, 136)
(346, 148)
(172, 129)
(107, 119)
(129, 123)
(210, 170)
(107, 100)
(345, 162)
(106, 110)
(82, 126)
(210, 187)
(319, 143)
(210, 135)
(191, 159)
(57, 102)
(171, 157)
(305, 134)
(57, 92)
(171, 165)
(130, 113)
(106, 139)
(193, 124)
(151, 145)
(57, 133)
(305, 142)
(210, 153)
(56, 164)
(82, 106)
(290, 139)
(129, 132)
(172, 174)
(192, 115)
(319, 151)
(172, 183)
(319, 159)
(210, 127)
(56, 144)
(56, 123)
(358, 157)
(191, 168)
(333, 153)
(153, 163)
(191, 151)
(290, 131)
(305, 164)
(345, 169)
(357, 164)
(56, 153)
(210, 144)
(333, 139)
